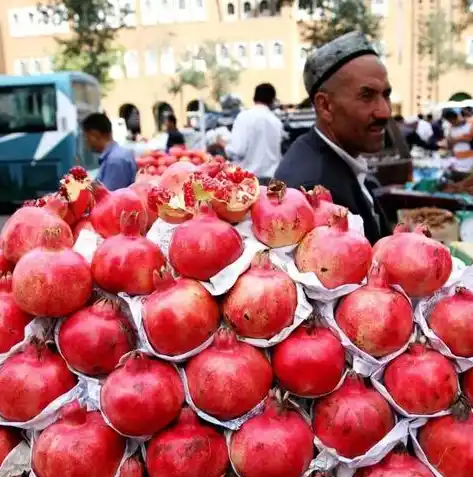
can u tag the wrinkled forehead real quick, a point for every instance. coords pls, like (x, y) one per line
(364, 72)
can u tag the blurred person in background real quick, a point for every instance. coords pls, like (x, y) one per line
(175, 137)
(410, 129)
(437, 126)
(217, 140)
(117, 164)
(257, 133)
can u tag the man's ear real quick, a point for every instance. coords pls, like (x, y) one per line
(323, 106)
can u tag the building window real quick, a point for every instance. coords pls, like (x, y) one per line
(151, 63)
(469, 50)
(258, 56)
(264, 8)
(35, 67)
(247, 10)
(167, 64)
(130, 61)
(182, 4)
(276, 55)
(379, 7)
(199, 4)
(259, 50)
(230, 9)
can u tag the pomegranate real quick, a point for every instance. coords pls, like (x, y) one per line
(276, 443)
(25, 230)
(281, 216)
(468, 385)
(154, 387)
(142, 190)
(132, 467)
(79, 444)
(263, 300)
(9, 439)
(231, 190)
(416, 262)
(83, 224)
(109, 207)
(451, 320)
(310, 362)
(337, 255)
(447, 442)
(376, 318)
(126, 262)
(203, 246)
(229, 378)
(32, 379)
(180, 315)
(422, 381)
(94, 339)
(5, 265)
(188, 448)
(324, 209)
(12, 318)
(51, 280)
(396, 464)
(353, 418)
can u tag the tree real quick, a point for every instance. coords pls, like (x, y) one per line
(333, 18)
(205, 69)
(91, 48)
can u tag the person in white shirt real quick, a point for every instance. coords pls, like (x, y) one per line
(255, 143)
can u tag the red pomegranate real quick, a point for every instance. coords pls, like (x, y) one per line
(52, 281)
(9, 439)
(276, 443)
(180, 315)
(396, 464)
(187, 449)
(263, 300)
(468, 385)
(132, 467)
(79, 444)
(447, 442)
(418, 263)
(353, 418)
(75, 188)
(229, 378)
(25, 230)
(32, 379)
(421, 381)
(142, 190)
(324, 209)
(95, 338)
(310, 362)
(203, 246)
(126, 262)
(154, 387)
(109, 207)
(376, 318)
(13, 319)
(337, 255)
(5, 265)
(451, 320)
(281, 216)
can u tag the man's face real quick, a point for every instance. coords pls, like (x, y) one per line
(355, 105)
(94, 141)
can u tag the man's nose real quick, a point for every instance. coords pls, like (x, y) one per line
(383, 109)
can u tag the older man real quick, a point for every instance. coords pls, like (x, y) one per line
(349, 88)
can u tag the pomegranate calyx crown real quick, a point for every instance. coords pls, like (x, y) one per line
(321, 193)
(377, 276)
(74, 413)
(130, 223)
(99, 191)
(461, 410)
(276, 189)
(423, 229)
(464, 292)
(6, 282)
(188, 417)
(134, 361)
(400, 228)
(163, 278)
(262, 260)
(339, 220)
(225, 338)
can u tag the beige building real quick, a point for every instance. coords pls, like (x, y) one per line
(265, 39)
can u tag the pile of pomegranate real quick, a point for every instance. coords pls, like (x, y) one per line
(162, 359)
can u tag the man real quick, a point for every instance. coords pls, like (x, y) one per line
(117, 164)
(410, 129)
(436, 127)
(255, 143)
(175, 137)
(349, 89)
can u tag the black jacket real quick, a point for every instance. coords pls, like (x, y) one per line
(310, 161)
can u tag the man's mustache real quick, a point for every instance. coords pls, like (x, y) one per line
(379, 123)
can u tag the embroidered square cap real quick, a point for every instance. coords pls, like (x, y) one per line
(325, 61)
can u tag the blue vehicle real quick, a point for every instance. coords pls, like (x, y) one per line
(40, 133)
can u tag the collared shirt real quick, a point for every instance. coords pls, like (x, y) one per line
(256, 139)
(117, 167)
(359, 165)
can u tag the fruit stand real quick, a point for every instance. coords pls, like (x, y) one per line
(197, 324)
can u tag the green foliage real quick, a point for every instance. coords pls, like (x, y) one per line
(437, 39)
(203, 70)
(334, 18)
(91, 47)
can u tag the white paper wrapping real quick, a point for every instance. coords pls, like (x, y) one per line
(313, 466)
(17, 461)
(363, 363)
(303, 311)
(377, 381)
(232, 424)
(425, 306)
(87, 243)
(413, 429)
(136, 306)
(40, 328)
(328, 459)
